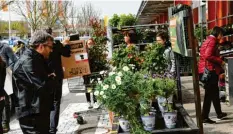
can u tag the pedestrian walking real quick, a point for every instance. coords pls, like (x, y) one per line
(2, 91)
(31, 85)
(55, 66)
(211, 64)
(9, 58)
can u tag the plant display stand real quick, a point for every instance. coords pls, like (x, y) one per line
(185, 124)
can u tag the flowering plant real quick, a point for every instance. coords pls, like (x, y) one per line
(154, 60)
(119, 92)
(123, 56)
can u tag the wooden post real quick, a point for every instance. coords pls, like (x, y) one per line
(196, 87)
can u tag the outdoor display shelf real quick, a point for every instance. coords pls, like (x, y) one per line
(185, 124)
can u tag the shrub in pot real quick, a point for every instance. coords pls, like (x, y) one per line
(119, 93)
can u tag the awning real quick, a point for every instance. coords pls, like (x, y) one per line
(151, 11)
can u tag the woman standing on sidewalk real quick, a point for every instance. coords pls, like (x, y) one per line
(2, 92)
(210, 60)
(86, 78)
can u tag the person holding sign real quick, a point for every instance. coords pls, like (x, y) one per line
(55, 66)
(211, 65)
(2, 92)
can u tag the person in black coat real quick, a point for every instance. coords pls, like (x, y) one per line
(2, 92)
(31, 84)
(9, 58)
(55, 66)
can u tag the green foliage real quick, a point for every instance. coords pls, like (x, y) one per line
(124, 56)
(154, 60)
(197, 33)
(118, 38)
(114, 20)
(98, 52)
(122, 20)
(120, 92)
(15, 25)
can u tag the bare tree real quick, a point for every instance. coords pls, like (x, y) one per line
(73, 15)
(64, 16)
(31, 11)
(51, 13)
(85, 13)
(42, 14)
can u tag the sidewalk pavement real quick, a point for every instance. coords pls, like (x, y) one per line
(224, 126)
(98, 120)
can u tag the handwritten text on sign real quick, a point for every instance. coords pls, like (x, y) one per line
(77, 64)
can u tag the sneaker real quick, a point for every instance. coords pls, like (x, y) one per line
(96, 105)
(222, 115)
(89, 105)
(209, 121)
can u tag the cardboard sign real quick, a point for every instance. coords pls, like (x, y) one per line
(77, 64)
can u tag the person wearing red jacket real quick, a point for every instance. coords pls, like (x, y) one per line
(210, 59)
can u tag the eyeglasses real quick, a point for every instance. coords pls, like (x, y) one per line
(51, 47)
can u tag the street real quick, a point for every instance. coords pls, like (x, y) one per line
(97, 120)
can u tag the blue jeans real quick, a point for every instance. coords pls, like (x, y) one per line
(54, 113)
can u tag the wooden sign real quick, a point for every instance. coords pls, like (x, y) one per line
(77, 64)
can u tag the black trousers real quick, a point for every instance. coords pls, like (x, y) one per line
(2, 103)
(6, 111)
(54, 114)
(34, 124)
(211, 95)
(86, 79)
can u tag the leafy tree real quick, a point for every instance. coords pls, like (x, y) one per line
(127, 20)
(114, 21)
(122, 20)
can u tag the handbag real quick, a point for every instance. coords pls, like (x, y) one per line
(206, 76)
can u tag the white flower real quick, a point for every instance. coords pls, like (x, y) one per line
(111, 73)
(113, 86)
(104, 96)
(96, 93)
(131, 65)
(102, 72)
(118, 82)
(119, 74)
(92, 80)
(100, 82)
(102, 93)
(118, 78)
(105, 87)
(98, 79)
(125, 68)
(114, 68)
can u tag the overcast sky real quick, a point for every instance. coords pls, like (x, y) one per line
(106, 7)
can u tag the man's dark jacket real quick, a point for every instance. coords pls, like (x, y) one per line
(30, 84)
(2, 78)
(54, 62)
(7, 54)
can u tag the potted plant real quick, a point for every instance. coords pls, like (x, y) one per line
(124, 56)
(154, 61)
(119, 93)
(147, 90)
(167, 87)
